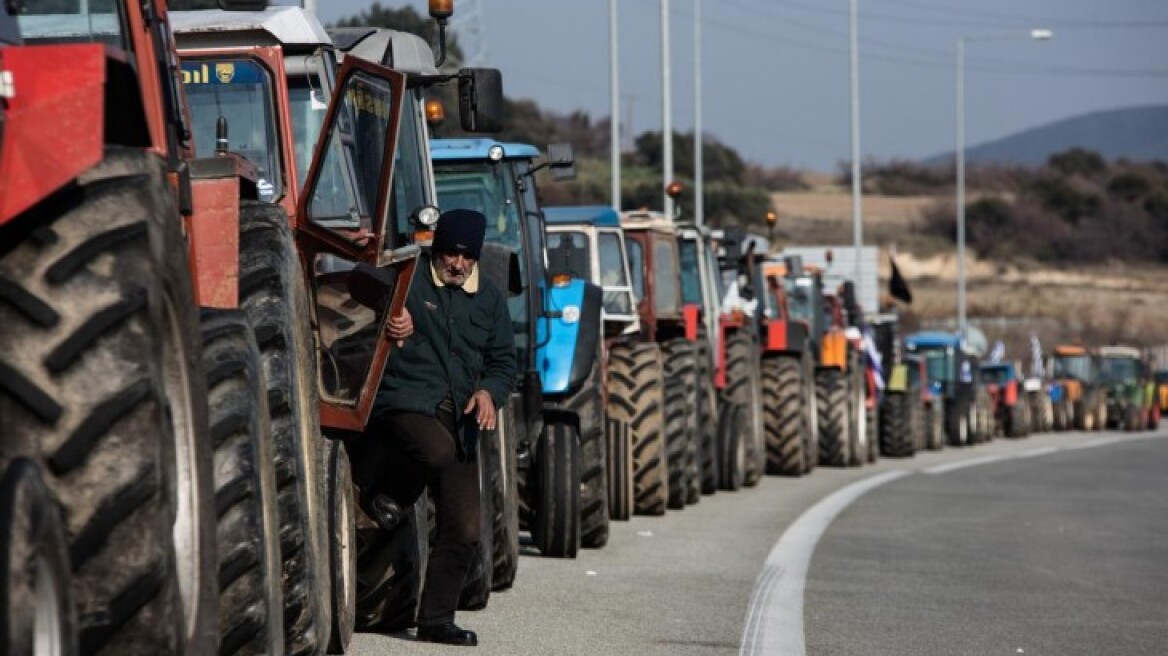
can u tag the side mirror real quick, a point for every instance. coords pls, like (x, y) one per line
(480, 99)
(562, 161)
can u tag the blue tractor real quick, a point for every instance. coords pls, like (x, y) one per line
(954, 376)
(559, 431)
(588, 243)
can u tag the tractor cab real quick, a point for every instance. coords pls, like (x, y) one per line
(655, 265)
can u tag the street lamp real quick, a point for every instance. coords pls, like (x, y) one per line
(1035, 34)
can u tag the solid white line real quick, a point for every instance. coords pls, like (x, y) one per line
(774, 623)
(962, 464)
(1039, 451)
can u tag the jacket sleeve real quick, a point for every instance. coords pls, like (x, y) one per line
(500, 369)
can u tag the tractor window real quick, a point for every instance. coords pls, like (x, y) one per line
(637, 268)
(800, 298)
(715, 274)
(410, 188)
(614, 280)
(347, 328)
(240, 92)
(568, 254)
(1072, 366)
(691, 282)
(346, 193)
(68, 21)
(937, 368)
(666, 295)
(307, 103)
(1119, 370)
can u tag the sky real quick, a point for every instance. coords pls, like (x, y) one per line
(775, 73)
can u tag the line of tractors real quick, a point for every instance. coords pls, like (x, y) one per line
(207, 217)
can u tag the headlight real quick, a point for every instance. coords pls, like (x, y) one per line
(495, 153)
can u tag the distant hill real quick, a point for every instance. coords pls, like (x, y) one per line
(1135, 133)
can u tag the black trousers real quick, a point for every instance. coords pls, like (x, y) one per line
(403, 453)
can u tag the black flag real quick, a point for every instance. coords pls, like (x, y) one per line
(898, 286)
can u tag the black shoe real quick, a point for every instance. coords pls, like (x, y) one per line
(385, 512)
(447, 634)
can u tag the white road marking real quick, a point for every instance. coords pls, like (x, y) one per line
(1040, 451)
(774, 620)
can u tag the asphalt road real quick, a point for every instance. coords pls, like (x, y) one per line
(1055, 544)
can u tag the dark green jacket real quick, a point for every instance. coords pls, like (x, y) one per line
(462, 343)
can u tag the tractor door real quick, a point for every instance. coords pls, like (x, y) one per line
(356, 279)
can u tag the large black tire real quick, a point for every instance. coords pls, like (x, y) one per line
(100, 384)
(251, 602)
(896, 420)
(732, 442)
(811, 409)
(744, 388)
(1018, 419)
(957, 429)
(1084, 413)
(636, 397)
(784, 415)
(680, 419)
(271, 292)
(620, 469)
(835, 425)
(390, 570)
(499, 449)
(857, 390)
(872, 427)
(556, 476)
(342, 547)
(707, 411)
(36, 601)
(588, 404)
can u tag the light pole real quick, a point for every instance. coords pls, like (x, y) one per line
(666, 107)
(1037, 35)
(699, 199)
(614, 105)
(857, 180)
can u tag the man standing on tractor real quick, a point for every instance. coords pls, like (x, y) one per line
(440, 390)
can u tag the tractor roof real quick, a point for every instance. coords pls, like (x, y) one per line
(445, 150)
(932, 339)
(594, 215)
(646, 220)
(276, 25)
(400, 51)
(1119, 352)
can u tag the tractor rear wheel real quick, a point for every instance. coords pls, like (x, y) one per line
(390, 567)
(100, 383)
(271, 292)
(732, 429)
(896, 439)
(782, 402)
(934, 426)
(636, 397)
(556, 477)
(744, 388)
(476, 588)
(1018, 420)
(588, 404)
(342, 547)
(834, 423)
(251, 602)
(680, 419)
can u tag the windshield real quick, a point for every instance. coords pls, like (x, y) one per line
(1118, 370)
(617, 296)
(1072, 366)
(666, 295)
(240, 92)
(637, 268)
(800, 301)
(937, 366)
(691, 283)
(568, 253)
(995, 375)
(60, 21)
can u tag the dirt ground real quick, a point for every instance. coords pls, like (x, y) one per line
(1008, 300)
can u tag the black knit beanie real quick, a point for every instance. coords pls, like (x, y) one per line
(460, 232)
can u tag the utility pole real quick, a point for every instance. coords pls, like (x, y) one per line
(614, 105)
(699, 196)
(666, 108)
(857, 187)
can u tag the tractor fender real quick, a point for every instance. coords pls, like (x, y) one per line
(568, 354)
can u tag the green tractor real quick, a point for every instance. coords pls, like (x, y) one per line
(1131, 391)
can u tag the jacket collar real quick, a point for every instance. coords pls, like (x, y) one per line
(471, 286)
